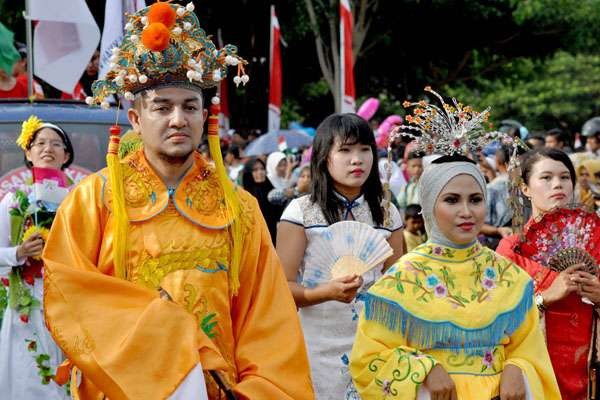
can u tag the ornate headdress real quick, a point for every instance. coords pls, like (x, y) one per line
(448, 130)
(458, 130)
(165, 46)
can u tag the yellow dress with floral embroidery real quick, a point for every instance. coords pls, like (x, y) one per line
(469, 310)
(124, 341)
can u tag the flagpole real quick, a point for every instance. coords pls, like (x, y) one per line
(275, 73)
(271, 34)
(35, 196)
(342, 61)
(29, 39)
(271, 12)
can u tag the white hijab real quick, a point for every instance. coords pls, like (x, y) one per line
(434, 179)
(277, 181)
(397, 181)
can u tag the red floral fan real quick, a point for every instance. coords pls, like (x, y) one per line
(563, 237)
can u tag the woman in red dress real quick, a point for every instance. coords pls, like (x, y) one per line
(549, 178)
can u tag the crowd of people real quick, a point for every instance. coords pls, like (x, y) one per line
(185, 269)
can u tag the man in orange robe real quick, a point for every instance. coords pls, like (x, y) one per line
(141, 327)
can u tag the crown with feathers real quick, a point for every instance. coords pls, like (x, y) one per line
(164, 45)
(449, 129)
(456, 129)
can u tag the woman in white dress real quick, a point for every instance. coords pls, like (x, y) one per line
(28, 355)
(345, 186)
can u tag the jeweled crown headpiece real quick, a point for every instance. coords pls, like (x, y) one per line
(164, 45)
(449, 129)
(456, 129)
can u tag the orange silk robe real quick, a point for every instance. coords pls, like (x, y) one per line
(123, 339)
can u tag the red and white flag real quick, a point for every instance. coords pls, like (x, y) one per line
(50, 184)
(274, 75)
(64, 40)
(78, 93)
(114, 28)
(347, 91)
(281, 143)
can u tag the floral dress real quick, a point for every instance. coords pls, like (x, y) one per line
(329, 327)
(468, 309)
(569, 323)
(28, 355)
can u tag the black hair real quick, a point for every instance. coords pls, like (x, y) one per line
(412, 211)
(415, 155)
(350, 129)
(454, 157)
(533, 156)
(503, 154)
(303, 168)
(248, 181)
(66, 141)
(235, 151)
(559, 135)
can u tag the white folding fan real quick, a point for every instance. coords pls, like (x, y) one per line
(350, 247)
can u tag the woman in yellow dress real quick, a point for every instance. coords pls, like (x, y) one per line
(452, 319)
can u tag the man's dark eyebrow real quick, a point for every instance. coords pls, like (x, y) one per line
(162, 100)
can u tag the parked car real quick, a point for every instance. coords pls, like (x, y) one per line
(86, 126)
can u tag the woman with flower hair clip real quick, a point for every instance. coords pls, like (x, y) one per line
(567, 299)
(451, 319)
(28, 355)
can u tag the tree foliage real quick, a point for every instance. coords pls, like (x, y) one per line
(533, 60)
(562, 90)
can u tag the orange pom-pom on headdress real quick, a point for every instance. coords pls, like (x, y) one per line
(156, 37)
(163, 13)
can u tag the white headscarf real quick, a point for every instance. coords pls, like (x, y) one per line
(397, 181)
(433, 180)
(277, 181)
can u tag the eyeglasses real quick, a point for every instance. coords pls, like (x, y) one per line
(54, 144)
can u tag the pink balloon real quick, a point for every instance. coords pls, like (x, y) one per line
(368, 108)
(385, 128)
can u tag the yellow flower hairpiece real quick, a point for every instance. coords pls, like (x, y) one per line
(30, 127)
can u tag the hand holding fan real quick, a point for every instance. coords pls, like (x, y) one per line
(351, 248)
(564, 237)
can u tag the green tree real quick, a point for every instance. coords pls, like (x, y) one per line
(541, 93)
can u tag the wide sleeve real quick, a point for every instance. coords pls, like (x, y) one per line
(270, 352)
(383, 366)
(542, 276)
(527, 350)
(8, 253)
(126, 341)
